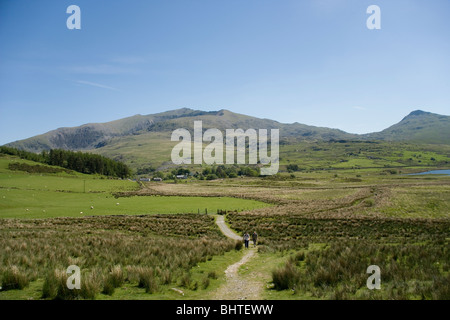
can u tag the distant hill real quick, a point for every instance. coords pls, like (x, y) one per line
(419, 126)
(146, 138)
(97, 135)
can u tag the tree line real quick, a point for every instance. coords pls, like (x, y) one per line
(211, 173)
(77, 161)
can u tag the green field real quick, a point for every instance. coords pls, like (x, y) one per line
(24, 195)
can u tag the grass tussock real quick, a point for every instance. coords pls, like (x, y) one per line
(286, 277)
(408, 271)
(150, 252)
(14, 278)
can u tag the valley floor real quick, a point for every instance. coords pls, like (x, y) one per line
(318, 233)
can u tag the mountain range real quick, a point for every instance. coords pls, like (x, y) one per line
(120, 138)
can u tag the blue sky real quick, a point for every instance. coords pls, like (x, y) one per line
(313, 62)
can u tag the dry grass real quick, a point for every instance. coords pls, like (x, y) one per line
(148, 250)
(280, 232)
(408, 271)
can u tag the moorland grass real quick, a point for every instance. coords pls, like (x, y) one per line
(154, 250)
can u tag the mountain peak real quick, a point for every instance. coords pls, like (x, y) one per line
(418, 113)
(419, 126)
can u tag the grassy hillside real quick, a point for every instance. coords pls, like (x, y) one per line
(114, 133)
(154, 150)
(418, 126)
(142, 141)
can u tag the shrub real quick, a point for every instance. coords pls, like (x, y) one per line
(147, 280)
(286, 277)
(116, 276)
(115, 279)
(186, 280)
(165, 276)
(325, 277)
(194, 286)
(205, 282)
(300, 256)
(369, 202)
(108, 286)
(13, 278)
(441, 286)
(55, 286)
(90, 285)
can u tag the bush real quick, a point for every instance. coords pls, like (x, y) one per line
(194, 286)
(165, 276)
(300, 256)
(186, 280)
(13, 278)
(205, 282)
(147, 280)
(90, 285)
(55, 286)
(108, 286)
(238, 245)
(115, 279)
(116, 276)
(286, 277)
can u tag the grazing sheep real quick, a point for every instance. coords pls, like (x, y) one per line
(92, 207)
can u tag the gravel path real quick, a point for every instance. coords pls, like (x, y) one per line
(220, 221)
(238, 287)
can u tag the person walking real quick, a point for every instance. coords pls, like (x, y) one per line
(254, 238)
(246, 239)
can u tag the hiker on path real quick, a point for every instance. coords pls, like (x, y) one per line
(246, 239)
(254, 238)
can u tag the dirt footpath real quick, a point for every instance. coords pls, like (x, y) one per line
(237, 286)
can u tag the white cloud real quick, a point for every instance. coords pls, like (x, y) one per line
(128, 60)
(101, 69)
(98, 85)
